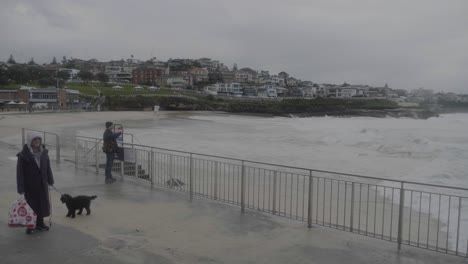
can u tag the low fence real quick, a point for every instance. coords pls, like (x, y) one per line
(427, 216)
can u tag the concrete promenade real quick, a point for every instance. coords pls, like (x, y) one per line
(132, 223)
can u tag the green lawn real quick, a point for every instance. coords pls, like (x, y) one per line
(105, 89)
(9, 87)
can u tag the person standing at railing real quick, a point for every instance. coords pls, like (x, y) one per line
(110, 148)
(33, 175)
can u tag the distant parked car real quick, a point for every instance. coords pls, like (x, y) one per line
(40, 106)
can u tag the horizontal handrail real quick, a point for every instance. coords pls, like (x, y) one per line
(376, 209)
(28, 129)
(293, 167)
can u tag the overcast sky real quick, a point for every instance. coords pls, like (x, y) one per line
(405, 43)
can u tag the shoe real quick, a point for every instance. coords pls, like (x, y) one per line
(29, 231)
(109, 181)
(113, 179)
(42, 227)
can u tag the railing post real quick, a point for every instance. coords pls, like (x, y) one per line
(191, 177)
(122, 170)
(243, 188)
(136, 162)
(400, 216)
(171, 172)
(351, 219)
(57, 148)
(309, 202)
(215, 189)
(150, 167)
(23, 137)
(274, 192)
(96, 155)
(76, 152)
(458, 224)
(466, 253)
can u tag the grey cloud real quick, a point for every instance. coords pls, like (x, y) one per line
(408, 44)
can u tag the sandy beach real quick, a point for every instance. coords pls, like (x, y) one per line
(367, 218)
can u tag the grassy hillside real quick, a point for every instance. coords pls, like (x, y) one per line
(105, 89)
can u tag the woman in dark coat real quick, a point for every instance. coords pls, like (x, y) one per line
(33, 175)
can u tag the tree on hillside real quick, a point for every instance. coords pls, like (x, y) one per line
(3, 76)
(283, 75)
(69, 64)
(345, 84)
(19, 74)
(85, 76)
(64, 75)
(31, 62)
(11, 60)
(37, 72)
(102, 77)
(44, 82)
(54, 61)
(64, 60)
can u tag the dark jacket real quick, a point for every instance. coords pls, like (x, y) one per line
(110, 142)
(33, 181)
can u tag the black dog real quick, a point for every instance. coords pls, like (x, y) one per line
(77, 203)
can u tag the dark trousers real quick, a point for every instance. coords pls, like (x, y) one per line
(109, 163)
(40, 221)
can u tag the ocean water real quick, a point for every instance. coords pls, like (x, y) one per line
(429, 151)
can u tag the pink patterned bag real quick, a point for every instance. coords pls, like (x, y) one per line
(21, 214)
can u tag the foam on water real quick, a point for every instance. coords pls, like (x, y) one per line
(430, 151)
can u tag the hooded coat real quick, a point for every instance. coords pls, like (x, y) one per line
(33, 177)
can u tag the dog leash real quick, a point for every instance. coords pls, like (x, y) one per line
(56, 190)
(50, 207)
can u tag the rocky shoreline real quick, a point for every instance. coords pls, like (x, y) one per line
(378, 108)
(395, 113)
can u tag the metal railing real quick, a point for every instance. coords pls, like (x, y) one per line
(50, 140)
(423, 215)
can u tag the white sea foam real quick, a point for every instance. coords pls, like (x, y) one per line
(430, 151)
